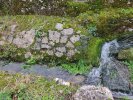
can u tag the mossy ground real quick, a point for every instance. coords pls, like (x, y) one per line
(39, 22)
(31, 87)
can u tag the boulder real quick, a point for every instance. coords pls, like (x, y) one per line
(115, 76)
(89, 92)
(54, 36)
(126, 54)
(25, 39)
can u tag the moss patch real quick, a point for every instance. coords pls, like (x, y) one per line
(94, 51)
(40, 22)
(110, 23)
(126, 54)
(9, 51)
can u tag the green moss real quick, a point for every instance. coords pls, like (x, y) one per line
(31, 87)
(126, 54)
(75, 8)
(94, 49)
(78, 43)
(40, 22)
(109, 22)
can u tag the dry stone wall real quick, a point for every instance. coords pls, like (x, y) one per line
(59, 43)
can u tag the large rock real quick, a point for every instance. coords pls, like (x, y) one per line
(68, 31)
(115, 76)
(25, 39)
(126, 54)
(54, 36)
(93, 93)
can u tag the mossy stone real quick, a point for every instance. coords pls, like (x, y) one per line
(126, 54)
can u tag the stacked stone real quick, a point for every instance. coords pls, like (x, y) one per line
(59, 43)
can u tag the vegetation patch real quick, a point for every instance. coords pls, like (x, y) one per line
(94, 51)
(77, 68)
(130, 67)
(108, 23)
(30, 87)
(39, 22)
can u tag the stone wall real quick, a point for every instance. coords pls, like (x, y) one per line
(59, 43)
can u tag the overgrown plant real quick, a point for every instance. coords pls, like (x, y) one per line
(30, 61)
(77, 68)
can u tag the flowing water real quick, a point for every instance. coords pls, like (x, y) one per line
(107, 49)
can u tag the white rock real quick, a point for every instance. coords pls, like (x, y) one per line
(130, 29)
(75, 38)
(61, 49)
(59, 54)
(54, 36)
(45, 46)
(51, 43)
(38, 40)
(59, 26)
(45, 40)
(69, 45)
(64, 39)
(28, 55)
(24, 39)
(62, 82)
(68, 31)
(70, 53)
(50, 52)
(2, 43)
(93, 93)
(37, 46)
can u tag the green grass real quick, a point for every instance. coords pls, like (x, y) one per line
(30, 87)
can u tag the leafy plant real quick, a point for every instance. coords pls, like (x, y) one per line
(76, 68)
(29, 62)
(5, 96)
(38, 34)
(92, 29)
